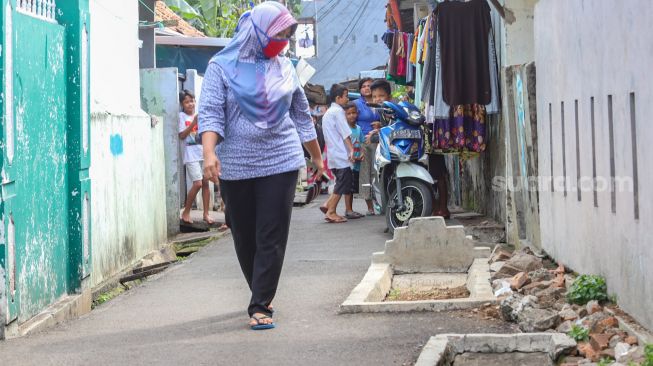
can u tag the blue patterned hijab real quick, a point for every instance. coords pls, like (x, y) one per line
(263, 87)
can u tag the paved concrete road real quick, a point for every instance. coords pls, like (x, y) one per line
(195, 313)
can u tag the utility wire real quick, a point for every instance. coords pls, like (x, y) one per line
(147, 7)
(357, 17)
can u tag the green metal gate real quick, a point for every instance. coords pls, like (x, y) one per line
(45, 187)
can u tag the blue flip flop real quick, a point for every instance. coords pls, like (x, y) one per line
(261, 326)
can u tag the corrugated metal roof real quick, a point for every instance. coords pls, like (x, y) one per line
(348, 40)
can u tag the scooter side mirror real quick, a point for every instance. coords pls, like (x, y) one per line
(415, 119)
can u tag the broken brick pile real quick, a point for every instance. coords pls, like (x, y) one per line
(534, 297)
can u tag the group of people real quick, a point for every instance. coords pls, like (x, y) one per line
(253, 120)
(351, 134)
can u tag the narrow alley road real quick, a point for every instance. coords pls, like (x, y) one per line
(195, 313)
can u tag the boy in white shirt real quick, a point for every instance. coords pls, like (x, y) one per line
(340, 151)
(193, 157)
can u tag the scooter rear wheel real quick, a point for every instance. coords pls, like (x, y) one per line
(418, 202)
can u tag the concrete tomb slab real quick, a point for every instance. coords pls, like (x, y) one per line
(428, 245)
(424, 256)
(471, 349)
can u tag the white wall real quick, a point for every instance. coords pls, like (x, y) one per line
(591, 49)
(518, 46)
(160, 97)
(127, 192)
(114, 53)
(127, 165)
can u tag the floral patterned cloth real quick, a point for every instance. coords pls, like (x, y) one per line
(464, 130)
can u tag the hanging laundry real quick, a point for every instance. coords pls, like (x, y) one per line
(410, 66)
(464, 130)
(401, 54)
(465, 54)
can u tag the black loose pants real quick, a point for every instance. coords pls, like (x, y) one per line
(259, 211)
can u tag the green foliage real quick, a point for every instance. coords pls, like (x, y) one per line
(401, 93)
(394, 294)
(218, 18)
(587, 288)
(605, 361)
(579, 333)
(648, 355)
(107, 296)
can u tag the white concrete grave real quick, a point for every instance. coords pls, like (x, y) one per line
(444, 255)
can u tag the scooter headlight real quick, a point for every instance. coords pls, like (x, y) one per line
(397, 154)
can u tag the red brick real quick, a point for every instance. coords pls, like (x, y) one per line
(600, 341)
(519, 280)
(586, 350)
(500, 256)
(559, 281)
(593, 308)
(610, 322)
(598, 328)
(632, 340)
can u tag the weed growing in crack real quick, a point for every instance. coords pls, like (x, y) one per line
(648, 355)
(587, 288)
(579, 333)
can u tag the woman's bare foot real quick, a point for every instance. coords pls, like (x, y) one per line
(260, 319)
(185, 217)
(208, 220)
(223, 227)
(334, 218)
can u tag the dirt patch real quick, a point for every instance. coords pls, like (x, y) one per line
(434, 294)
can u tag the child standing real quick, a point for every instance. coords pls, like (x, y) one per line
(351, 112)
(340, 151)
(192, 156)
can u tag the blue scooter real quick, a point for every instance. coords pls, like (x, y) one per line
(403, 187)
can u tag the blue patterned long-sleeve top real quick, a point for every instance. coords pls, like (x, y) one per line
(248, 151)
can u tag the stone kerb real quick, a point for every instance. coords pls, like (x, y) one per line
(428, 245)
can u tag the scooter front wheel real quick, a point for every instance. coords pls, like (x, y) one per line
(418, 202)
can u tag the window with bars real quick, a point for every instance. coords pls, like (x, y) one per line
(42, 9)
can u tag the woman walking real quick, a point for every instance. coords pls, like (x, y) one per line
(253, 108)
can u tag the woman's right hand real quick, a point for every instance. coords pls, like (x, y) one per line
(319, 166)
(212, 169)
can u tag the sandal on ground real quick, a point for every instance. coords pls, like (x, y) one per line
(353, 215)
(443, 214)
(370, 213)
(259, 325)
(339, 220)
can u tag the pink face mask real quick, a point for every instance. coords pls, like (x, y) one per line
(274, 46)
